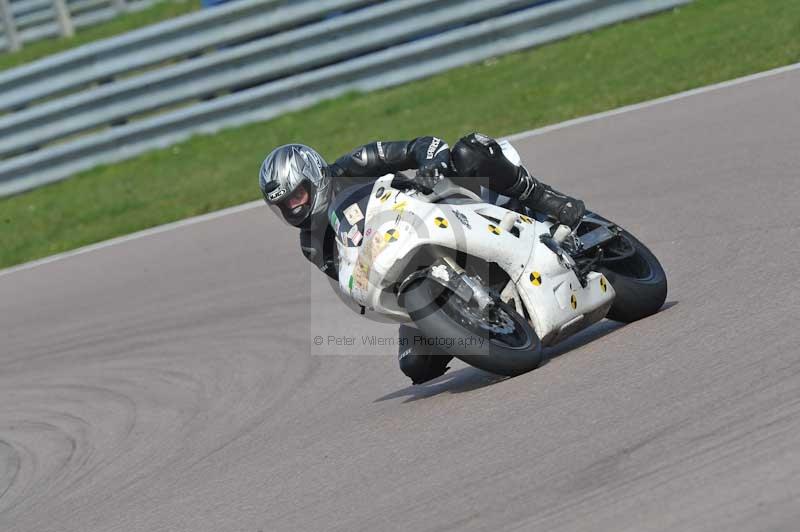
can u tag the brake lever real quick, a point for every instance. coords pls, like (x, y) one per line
(403, 182)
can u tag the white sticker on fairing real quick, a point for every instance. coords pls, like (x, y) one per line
(353, 214)
(355, 235)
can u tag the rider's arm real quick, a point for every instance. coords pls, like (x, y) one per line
(381, 158)
(317, 246)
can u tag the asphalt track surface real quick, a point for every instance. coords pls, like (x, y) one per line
(166, 383)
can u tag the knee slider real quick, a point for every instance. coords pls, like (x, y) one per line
(417, 367)
(469, 155)
(477, 155)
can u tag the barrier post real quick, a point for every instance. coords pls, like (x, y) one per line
(63, 19)
(13, 42)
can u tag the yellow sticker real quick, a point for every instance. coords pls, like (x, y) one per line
(574, 302)
(536, 279)
(440, 222)
(391, 235)
(386, 197)
(603, 285)
(525, 219)
(494, 229)
(400, 207)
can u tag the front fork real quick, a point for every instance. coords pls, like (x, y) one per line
(446, 272)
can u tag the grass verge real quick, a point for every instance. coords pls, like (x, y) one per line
(705, 42)
(162, 10)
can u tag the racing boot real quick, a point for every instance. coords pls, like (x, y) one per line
(420, 363)
(542, 198)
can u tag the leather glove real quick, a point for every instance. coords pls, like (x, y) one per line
(430, 173)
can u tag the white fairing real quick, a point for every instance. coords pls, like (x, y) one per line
(400, 223)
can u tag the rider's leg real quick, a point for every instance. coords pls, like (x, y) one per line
(420, 363)
(477, 155)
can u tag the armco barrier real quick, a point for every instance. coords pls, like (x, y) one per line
(376, 51)
(279, 56)
(36, 19)
(167, 41)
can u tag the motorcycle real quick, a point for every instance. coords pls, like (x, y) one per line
(496, 282)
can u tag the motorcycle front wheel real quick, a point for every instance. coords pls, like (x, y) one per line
(503, 343)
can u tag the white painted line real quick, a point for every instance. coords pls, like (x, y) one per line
(651, 103)
(135, 236)
(517, 136)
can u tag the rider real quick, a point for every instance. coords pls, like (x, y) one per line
(299, 185)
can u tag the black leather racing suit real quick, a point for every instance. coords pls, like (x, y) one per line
(363, 165)
(473, 156)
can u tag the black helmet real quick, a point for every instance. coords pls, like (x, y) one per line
(296, 183)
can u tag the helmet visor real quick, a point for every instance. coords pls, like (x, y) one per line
(295, 206)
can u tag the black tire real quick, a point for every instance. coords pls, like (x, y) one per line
(639, 281)
(433, 308)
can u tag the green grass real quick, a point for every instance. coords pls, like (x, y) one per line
(162, 10)
(705, 42)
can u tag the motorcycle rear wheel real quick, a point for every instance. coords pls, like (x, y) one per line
(639, 281)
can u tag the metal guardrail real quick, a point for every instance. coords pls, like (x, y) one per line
(281, 55)
(160, 43)
(39, 19)
(370, 48)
